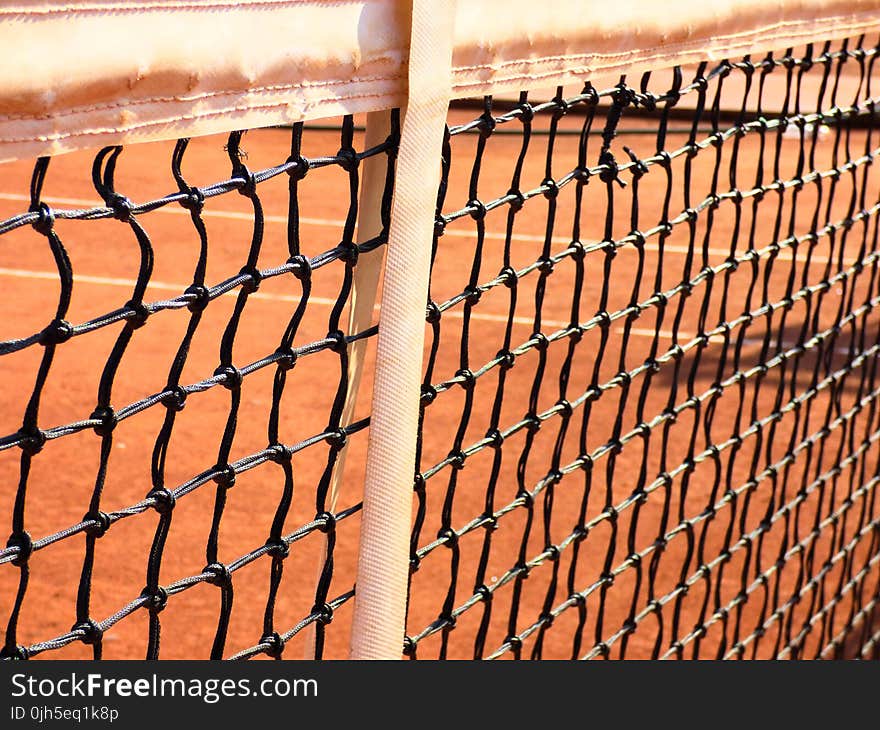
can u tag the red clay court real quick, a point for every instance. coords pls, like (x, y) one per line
(648, 419)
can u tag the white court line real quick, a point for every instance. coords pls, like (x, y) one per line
(784, 255)
(177, 288)
(328, 302)
(161, 285)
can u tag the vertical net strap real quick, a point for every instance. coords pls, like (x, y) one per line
(383, 561)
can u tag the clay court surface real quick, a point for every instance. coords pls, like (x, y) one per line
(105, 261)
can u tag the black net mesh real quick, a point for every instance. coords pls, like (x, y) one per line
(300, 267)
(649, 412)
(650, 403)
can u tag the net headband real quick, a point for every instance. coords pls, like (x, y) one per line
(86, 73)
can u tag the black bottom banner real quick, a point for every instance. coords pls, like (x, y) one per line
(289, 693)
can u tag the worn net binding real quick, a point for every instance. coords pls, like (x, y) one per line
(659, 436)
(34, 438)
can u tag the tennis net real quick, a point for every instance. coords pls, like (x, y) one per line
(304, 345)
(663, 436)
(648, 421)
